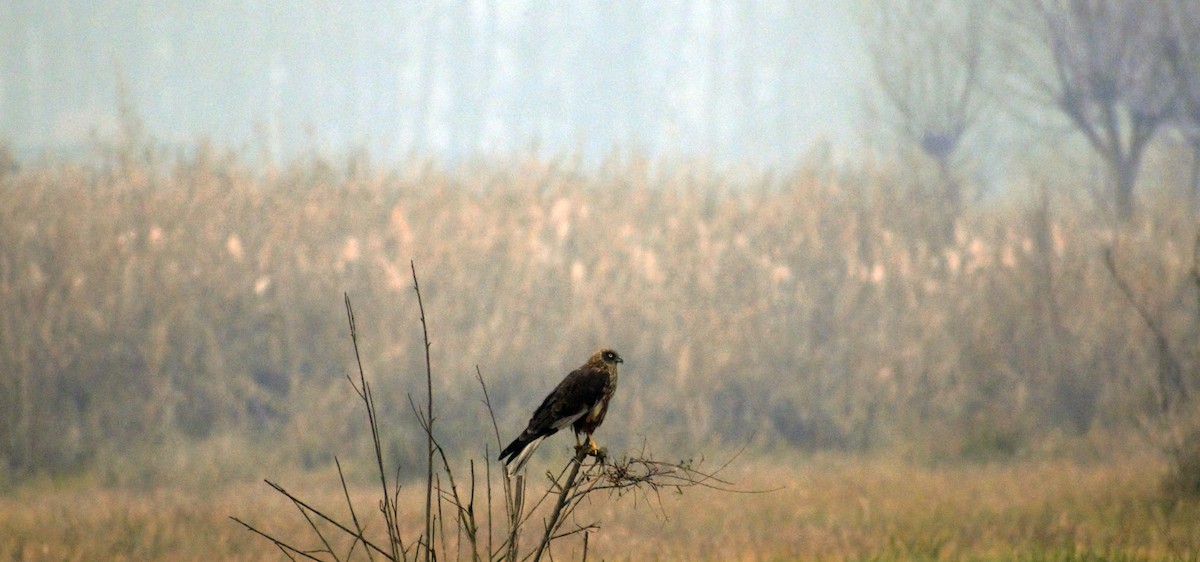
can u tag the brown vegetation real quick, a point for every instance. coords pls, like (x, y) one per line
(830, 508)
(148, 305)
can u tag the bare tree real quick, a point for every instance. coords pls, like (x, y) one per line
(1183, 56)
(928, 62)
(1103, 65)
(1175, 423)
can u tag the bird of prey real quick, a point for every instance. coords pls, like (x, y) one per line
(579, 401)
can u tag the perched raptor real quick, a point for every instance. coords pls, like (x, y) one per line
(579, 401)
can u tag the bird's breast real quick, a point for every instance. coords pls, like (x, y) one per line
(597, 410)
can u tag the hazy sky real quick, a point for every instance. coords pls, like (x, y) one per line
(757, 82)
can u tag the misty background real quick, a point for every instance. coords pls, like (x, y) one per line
(947, 229)
(742, 82)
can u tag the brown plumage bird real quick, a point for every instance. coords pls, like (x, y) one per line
(580, 401)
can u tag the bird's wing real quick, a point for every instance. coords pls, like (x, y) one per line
(570, 400)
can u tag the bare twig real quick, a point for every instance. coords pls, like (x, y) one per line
(429, 414)
(363, 389)
(566, 490)
(474, 528)
(487, 479)
(316, 530)
(441, 518)
(513, 502)
(310, 509)
(286, 548)
(1170, 371)
(465, 513)
(353, 515)
(563, 496)
(516, 504)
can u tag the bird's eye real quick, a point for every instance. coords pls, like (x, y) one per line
(608, 355)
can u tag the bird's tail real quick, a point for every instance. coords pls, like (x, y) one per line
(518, 453)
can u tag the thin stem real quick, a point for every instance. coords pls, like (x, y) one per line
(363, 389)
(428, 420)
(516, 493)
(564, 494)
(353, 515)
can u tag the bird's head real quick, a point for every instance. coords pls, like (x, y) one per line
(607, 357)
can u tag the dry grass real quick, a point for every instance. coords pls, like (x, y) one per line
(851, 509)
(176, 299)
(182, 316)
(827, 508)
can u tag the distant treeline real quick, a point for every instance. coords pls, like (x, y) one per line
(148, 304)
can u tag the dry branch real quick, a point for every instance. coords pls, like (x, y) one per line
(574, 482)
(1172, 388)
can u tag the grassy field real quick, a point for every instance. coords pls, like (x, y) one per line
(822, 508)
(822, 309)
(172, 331)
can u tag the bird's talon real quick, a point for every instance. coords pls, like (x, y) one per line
(589, 448)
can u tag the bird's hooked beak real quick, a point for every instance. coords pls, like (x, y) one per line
(608, 356)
